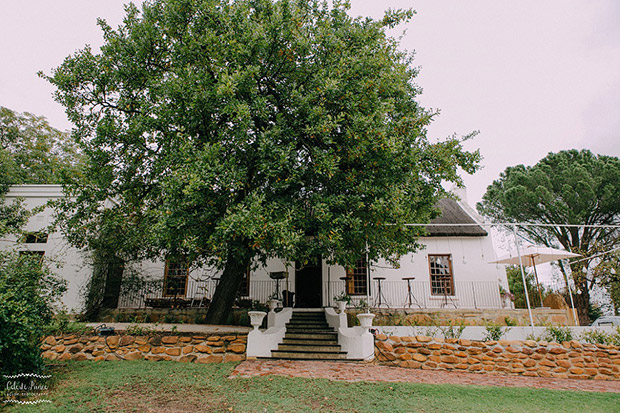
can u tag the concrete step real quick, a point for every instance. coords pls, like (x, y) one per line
(301, 355)
(312, 336)
(321, 324)
(316, 348)
(302, 319)
(317, 341)
(306, 330)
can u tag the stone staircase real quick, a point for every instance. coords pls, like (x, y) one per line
(309, 337)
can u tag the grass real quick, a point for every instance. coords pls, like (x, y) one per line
(137, 386)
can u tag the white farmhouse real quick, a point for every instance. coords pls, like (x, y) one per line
(452, 271)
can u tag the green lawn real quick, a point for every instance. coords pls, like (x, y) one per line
(176, 387)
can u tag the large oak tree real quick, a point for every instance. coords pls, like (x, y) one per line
(228, 132)
(569, 187)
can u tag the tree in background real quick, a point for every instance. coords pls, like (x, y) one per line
(569, 187)
(225, 133)
(32, 151)
(515, 284)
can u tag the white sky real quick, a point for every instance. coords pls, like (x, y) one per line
(532, 76)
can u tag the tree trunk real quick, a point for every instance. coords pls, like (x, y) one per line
(582, 302)
(226, 291)
(114, 268)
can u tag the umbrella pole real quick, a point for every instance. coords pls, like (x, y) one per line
(537, 283)
(527, 296)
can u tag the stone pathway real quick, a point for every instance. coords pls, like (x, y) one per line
(373, 372)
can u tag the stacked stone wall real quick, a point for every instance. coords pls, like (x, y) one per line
(185, 348)
(527, 358)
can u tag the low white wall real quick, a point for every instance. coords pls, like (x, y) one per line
(479, 332)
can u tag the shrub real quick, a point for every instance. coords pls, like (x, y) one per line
(452, 330)
(596, 337)
(494, 332)
(27, 293)
(62, 324)
(558, 334)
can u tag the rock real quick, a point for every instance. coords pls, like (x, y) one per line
(188, 349)
(60, 349)
(154, 358)
(211, 359)
(158, 350)
(64, 357)
(185, 339)
(237, 348)
(50, 341)
(155, 341)
(145, 348)
(423, 339)
(76, 348)
(50, 355)
(112, 341)
(173, 351)
(201, 348)
(235, 357)
(419, 357)
(410, 364)
(214, 338)
(169, 339)
(188, 359)
(136, 355)
(125, 341)
(79, 357)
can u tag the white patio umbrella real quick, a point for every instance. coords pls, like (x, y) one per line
(532, 255)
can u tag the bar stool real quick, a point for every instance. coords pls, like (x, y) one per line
(411, 299)
(380, 296)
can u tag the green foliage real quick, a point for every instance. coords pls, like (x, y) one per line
(515, 283)
(343, 297)
(232, 132)
(596, 336)
(454, 329)
(594, 312)
(494, 332)
(509, 321)
(558, 334)
(33, 152)
(568, 187)
(138, 330)
(62, 323)
(27, 293)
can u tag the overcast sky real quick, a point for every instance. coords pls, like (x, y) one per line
(531, 76)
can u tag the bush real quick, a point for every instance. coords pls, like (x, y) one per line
(558, 334)
(596, 337)
(27, 293)
(494, 332)
(62, 324)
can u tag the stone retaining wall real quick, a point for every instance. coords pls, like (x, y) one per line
(466, 317)
(528, 358)
(185, 348)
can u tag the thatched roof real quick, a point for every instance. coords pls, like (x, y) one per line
(453, 213)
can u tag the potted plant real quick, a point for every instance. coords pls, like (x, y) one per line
(506, 296)
(274, 301)
(342, 300)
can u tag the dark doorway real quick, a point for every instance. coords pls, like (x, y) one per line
(308, 284)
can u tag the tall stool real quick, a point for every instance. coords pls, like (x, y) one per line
(380, 297)
(411, 299)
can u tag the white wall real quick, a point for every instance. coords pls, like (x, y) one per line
(65, 261)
